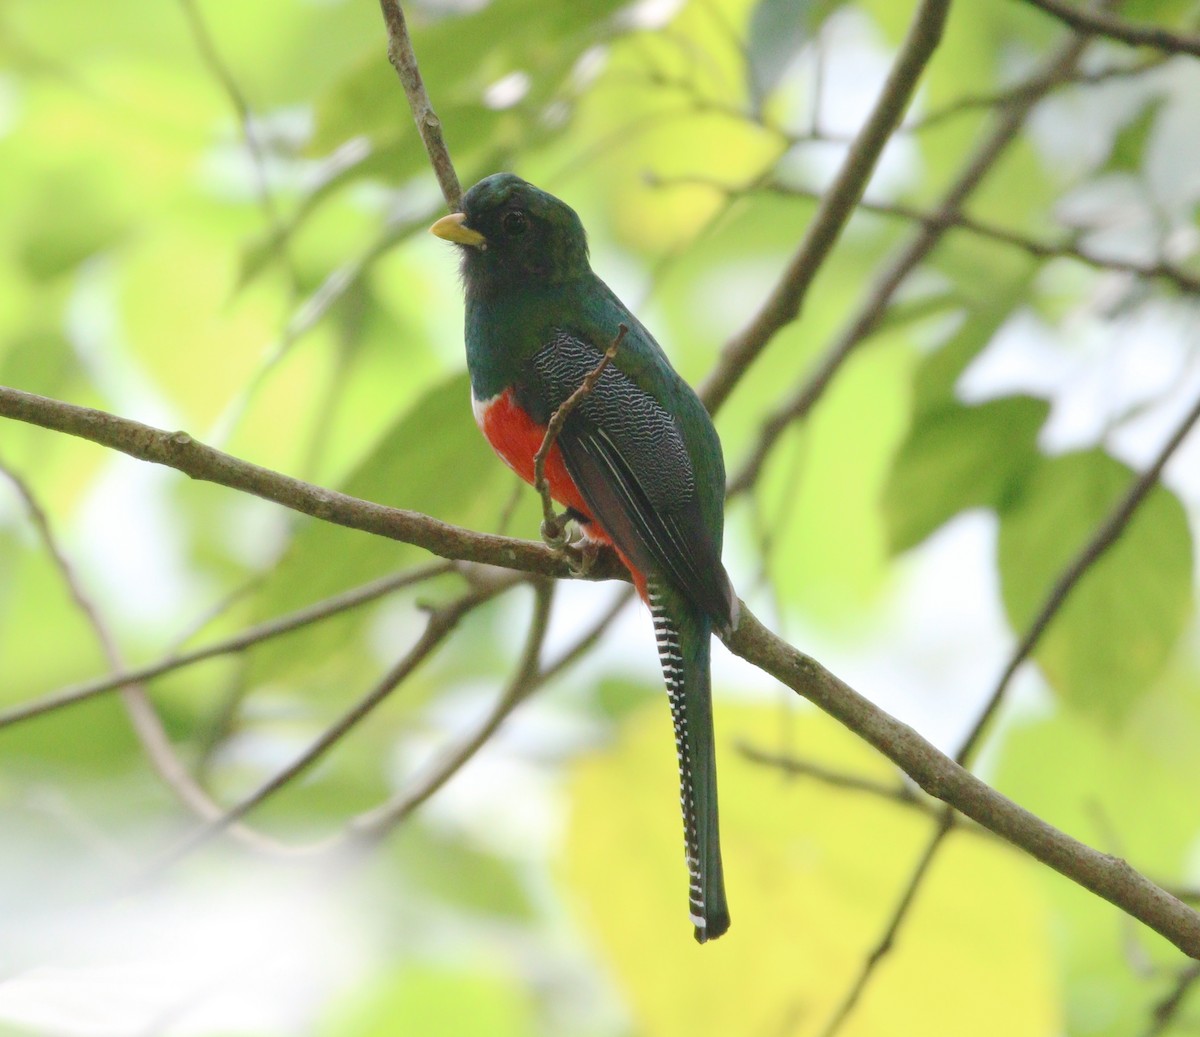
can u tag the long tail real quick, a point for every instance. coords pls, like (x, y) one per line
(684, 638)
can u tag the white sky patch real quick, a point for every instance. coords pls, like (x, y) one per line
(507, 90)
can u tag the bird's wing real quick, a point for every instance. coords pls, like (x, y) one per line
(628, 458)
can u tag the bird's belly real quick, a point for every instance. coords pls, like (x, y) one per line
(516, 437)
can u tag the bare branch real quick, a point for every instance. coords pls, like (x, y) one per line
(783, 304)
(375, 824)
(1167, 1010)
(350, 599)
(897, 792)
(221, 72)
(404, 61)
(142, 715)
(1106, 876)
(552, 525)
(180, 451)
(1093, 22)
(1107, 535)
(883, 946)
(912, 254)
(439, 626)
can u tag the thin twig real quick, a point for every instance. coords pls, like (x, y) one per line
(910, 256)
(438, 627)
(1105, 536)
(883, 947)
(1000, 98)
(783, 304)
(897, 792)
(143, 717)
(1167, 1010)
(1092, 22)
(375, 824)
(221, 71)
(350, 599)
(552, 525)
(404, 61)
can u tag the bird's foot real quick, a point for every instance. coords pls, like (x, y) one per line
(583, 558)
(554, 531)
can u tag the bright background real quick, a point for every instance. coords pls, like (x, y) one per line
(212, 217)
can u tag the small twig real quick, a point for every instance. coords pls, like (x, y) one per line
(1167, 1010)
(404, 61)
(143, 717)
(439, 626)
(910, 256)
(1105, 536)
(897, 792)
(1017, 92)
(350, 599)
(783, 304)
(883, 947)
(552, 524)
(1090, 21)
(220, 70)
(375, 824)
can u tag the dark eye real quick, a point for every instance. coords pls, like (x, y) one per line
(514, 223)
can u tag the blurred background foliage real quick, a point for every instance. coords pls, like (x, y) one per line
(212, 217)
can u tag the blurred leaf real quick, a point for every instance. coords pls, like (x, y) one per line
(958, 458)
(431, 460)
(1129, 145)
(434, 1000)
(1119, 625)
(1116, 790)
(808, 881)
(778, 30)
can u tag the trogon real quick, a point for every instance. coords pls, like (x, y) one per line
(637, 462)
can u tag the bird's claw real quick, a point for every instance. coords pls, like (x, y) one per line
(583, 558)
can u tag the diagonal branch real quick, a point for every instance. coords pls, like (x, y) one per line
(297, 620)
(1006, 130)
(935, 772)
(1092, 22)
(404, 61)
(441, 623)
(783, 304)
(180, 451)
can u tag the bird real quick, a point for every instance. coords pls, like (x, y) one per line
(637, 462)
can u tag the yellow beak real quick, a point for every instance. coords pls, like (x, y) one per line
(454, 228)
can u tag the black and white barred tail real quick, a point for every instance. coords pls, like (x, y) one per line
(684, 635)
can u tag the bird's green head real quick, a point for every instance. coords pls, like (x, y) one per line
(512, 233)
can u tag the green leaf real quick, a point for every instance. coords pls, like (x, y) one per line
(431, 460)
(1129, 145)
(810, 871)
(1117, 628)
(957, 458)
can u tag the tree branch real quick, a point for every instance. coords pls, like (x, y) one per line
(783, 304)
(1092, 22)
(404, 61)
(904, 263)
(76, 693)
(936, 773)
(1106, 876)
(179, 451)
